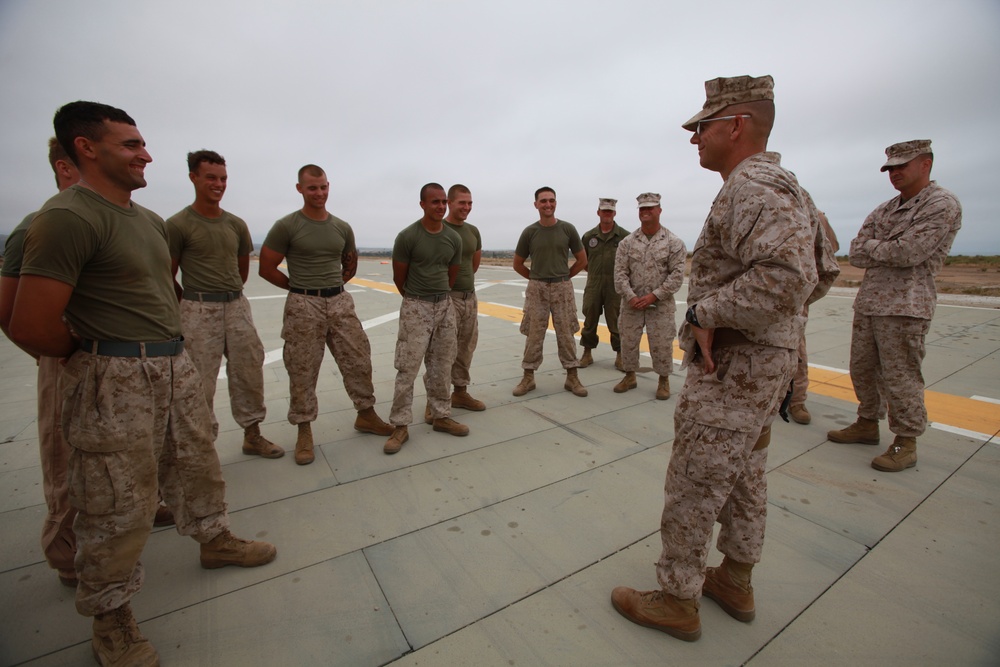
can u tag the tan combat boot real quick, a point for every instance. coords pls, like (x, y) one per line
(450, 426)
(117, 640)
(400, 434)
(573, 383)
(800, 415)
(368, 421)
(526, 384)
(864, 431)
(618, 361)
(660, 611)
(729, 585)
(626, 383)
(663, 388)
(304, 445)
(587, 358)
(257, 445)
(227, 549)
(902, 454)
(460, 398)
(428, 417)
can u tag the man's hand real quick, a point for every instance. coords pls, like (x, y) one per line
(642, 302)
(704, 339)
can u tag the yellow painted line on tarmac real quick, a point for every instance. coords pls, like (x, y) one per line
(956, 411)
(371, 284)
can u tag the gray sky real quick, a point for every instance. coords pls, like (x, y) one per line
(583, 96)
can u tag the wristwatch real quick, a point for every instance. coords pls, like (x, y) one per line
(691, 316)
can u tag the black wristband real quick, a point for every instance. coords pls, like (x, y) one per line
(691, 316)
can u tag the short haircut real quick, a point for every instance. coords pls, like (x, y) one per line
(56, 153)
(458, 189)
(430, 186)
(195, 159)
(311, 170)
(762, 117)
(85, 119)
(542, 189)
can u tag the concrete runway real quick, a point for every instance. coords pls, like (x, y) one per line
(501, 548)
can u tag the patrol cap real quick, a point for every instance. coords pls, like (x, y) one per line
(725, 91)
(647, 199)
(605, 204)
(904, 152)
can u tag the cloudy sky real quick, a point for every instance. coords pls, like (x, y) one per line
(584, 96)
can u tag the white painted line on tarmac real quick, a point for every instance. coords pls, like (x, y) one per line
(986, 399)
(275, 355)
(985, 437)
(830, 368)
(382, 319)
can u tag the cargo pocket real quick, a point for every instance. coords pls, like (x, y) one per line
(101, 483)
(101, 421)
(717, 437)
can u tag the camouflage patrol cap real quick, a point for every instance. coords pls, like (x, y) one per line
(605, 204)
(904, 152)
(647, 199)
(726, 91)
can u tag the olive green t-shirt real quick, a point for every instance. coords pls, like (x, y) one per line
(115, 258)
(313, 249)
(549, 248)
(471, 244)
(13, 249)
(428, 256)
(208, 250)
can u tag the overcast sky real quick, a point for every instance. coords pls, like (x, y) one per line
(583, 96)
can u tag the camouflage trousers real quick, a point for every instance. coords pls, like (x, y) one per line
(715, 473)
(466, 308)
(426, 333)
(540, 300)
(135, 425)
(886, 358)
(58, 539)
(312, 322)
(214, 330)
(600, 295)
(800, 381)
(661, 329)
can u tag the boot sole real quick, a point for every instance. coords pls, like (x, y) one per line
(855, 441)
(373, 431)
(628, 388)
(683, 635)
(888, 469)
(471, 408)
(215, 565)
(460, 434)
(742, 615)
(254, 452)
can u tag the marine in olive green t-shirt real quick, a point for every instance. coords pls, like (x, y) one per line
(547, 248)
(115, 258)
(472, 243)
(428, 256)
(208, 250)
(13, 249)
(313, 249)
